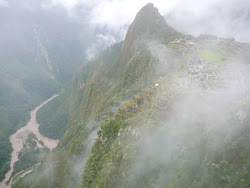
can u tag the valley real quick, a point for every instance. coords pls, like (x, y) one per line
(17, 141)
(156, 108)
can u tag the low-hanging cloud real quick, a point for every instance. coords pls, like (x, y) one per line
(197, 120)
(112, 16)
(108, 20)
(4, 3)
(101, 42)
(225, 18)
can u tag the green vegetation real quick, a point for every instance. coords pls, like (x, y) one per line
(26, 79)
(111, 129)
(29, 155)
(199, 158)
(18, 96)
(53, 119)
(189, 169)
(212, 56)
(102, 153)
(195, 159)
(139, 70)
(144, 140)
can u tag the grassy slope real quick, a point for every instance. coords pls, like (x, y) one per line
(113, 157)
(116, 159)
(102, 93)
(211, 56)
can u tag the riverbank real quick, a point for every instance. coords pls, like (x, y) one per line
(17, 142)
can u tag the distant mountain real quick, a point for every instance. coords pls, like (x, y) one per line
(160, 109)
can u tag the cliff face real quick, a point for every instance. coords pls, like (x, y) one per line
(182, 129)
(149, 25)
(143, 27)
(178, 115)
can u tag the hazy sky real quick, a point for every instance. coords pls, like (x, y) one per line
(111, 18)
(3, 3)
(220, 17)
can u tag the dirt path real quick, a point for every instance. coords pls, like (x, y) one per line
(17, 143)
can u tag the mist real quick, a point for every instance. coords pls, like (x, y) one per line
(198, 123)
(219, 17)
(102, 23)
(205, 110)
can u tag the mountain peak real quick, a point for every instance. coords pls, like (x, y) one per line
(146, 21)
(149, 8)
(149, 5)
(148, 25)
(144, 25)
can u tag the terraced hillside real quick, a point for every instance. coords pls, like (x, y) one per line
(157, 114)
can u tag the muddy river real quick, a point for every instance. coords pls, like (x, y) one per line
(17, 142)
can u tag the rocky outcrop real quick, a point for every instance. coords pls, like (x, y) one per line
(148, 25)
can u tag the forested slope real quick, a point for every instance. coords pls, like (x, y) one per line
(35, 63)
(162, 110)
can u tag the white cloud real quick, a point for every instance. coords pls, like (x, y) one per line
(4, 3)
(224, 18)
(101, 42)
(68, 4)
(113, 15)
(219, 17)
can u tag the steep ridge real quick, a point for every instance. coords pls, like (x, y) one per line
(149, 25)
(166, 122)
(93, 95)
(182, 130)
(82, 99)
